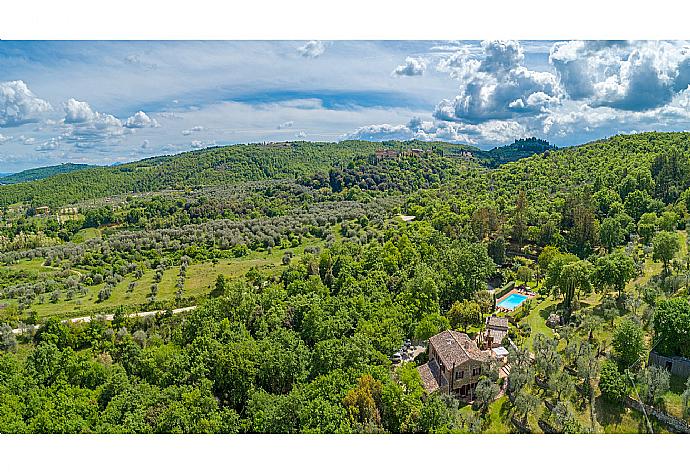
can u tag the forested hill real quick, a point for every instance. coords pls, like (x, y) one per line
(212, 166)
(40, 173)
(512, 152)
(355, 163)
(640, 172)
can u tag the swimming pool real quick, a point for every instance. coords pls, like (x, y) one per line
(512, 301)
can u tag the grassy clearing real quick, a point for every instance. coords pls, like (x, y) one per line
(86, 234)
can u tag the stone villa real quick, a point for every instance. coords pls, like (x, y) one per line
(455, 364)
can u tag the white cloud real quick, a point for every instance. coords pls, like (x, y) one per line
(193, 129)
(312, 49)
(414, 66)
(140, 61)
(636, 75)
(381, 132)
(140, 120)
(78, 112)
(495, 86)
(301, 135)
(4, 139)
(145, 144)
(493, 131)
(85, 128)
(19, 105)
(198, 144)
(50, 145)
(286, 124)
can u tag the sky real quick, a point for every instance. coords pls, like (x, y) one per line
(107, 102)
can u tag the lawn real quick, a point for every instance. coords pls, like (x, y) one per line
(499, 417)
(541, 309)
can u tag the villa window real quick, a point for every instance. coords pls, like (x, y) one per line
(459, 374)
(476, 371)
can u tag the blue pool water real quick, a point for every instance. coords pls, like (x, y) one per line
(512, 301)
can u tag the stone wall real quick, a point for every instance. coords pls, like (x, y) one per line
(671, 422)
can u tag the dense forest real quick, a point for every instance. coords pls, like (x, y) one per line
(284, 277)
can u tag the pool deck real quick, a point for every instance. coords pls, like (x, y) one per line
(526, 293)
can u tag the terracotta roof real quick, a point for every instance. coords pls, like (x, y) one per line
(430, 375)
(454, 347)
(497, 322)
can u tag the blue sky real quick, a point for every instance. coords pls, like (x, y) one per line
(104, 102)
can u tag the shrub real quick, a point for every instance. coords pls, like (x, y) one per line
(612, 383)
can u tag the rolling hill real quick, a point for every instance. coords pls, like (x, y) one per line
(41, 173)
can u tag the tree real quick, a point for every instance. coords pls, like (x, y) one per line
(485, 300)
(283, 361)
(561, 384)
(521, 371)
(464, 313)
(628, 343)
(547, 255)
(485, 392)
(666, 245)
(524, 274)
(546, 357)
(610, 233)
(363, 402)
(497, 250)
(570, 276)
(671, 324)
(585, 230)
(613, 270)
(520, 218)
(637, 203)
(668, 221)
(525, 403)
(613, 384)
(646, 227)
(655, 381)
(8, 341)
(430, 325)
(564, 420)
(587, 366)
(220, 287)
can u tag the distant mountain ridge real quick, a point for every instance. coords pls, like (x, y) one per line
(41, 173)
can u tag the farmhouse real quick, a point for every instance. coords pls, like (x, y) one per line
(454, 366)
